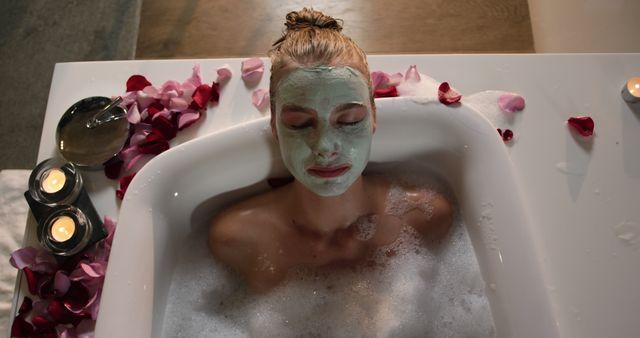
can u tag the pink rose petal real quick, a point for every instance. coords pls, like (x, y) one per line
(511, 103)
(412, 74)
(133, 114)
(23, 257)
(252, 70)
(224, 74)
(446, 94)
(195, 80)
(178, 104)
(188, 118)
(584, 125)
(260, 99)
(61, 283)
(382, 80)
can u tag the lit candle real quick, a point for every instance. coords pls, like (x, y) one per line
(62, 228)
(631, 90)
(53, 180)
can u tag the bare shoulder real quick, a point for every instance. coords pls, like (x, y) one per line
(241, 235)
(431, 212)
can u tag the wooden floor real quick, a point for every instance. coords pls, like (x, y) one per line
(218, 28)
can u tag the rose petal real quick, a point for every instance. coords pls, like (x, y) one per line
(201, 96)
(388, 92)
(124, 184)
(215, 92)
(42, 324)
(137, 82)
(113, 167)
(260, 99)
(76, 298)
(154, 108)
(27, 305)
(447, 95)
(507, 136)
(188, 118)
(584, 125)
(224, 74)
(59, 313)
(110, 226)
(61, 283)
(511, 102)
(178, 104)
(252, 70)
(165, 127)
(412, 74)
(155, 143)
(133, 114)
(382, 80)
(32, 280)
(23, 257)
(65, 332)
(171, 86)
(21, 328)
(195, 79)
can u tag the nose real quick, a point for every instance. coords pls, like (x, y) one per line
(327, 146)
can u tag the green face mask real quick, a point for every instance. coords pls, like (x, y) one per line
(324, 126)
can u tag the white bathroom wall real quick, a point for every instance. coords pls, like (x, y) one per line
(578, 26)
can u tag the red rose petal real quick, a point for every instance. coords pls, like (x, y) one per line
(21, 328)
(215, 92)
(124, 184)
(32, 280)
(42, 324)
(165, 127)
(201, 95)
(113, 167)
(76, 298)
(153, 109)
(447, 95)
(137, 82)
(584, 125)
(154, 143)
(27, 305)
(507, 135)
(387, 92)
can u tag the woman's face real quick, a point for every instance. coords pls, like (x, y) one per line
(324, 126)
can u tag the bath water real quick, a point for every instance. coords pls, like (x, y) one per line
(406, 289)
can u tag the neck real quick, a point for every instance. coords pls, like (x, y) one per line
(325, 215)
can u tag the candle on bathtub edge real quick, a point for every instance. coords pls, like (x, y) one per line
(631, 90)
(62, 228)
(53, 180)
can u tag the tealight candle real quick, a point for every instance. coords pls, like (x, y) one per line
(53, 180)
(63, 228)
(631, 90)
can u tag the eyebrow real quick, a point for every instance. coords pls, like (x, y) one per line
(296, 108)
(347, 106)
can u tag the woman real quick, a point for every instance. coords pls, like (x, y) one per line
(323, 118)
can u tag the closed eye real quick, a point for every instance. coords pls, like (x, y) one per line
(295, 117)
(350, 114)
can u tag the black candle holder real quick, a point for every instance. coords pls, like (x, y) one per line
(67, 220)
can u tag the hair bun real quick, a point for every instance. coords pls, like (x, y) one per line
(308, 18)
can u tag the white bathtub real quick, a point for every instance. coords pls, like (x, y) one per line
(456, 142)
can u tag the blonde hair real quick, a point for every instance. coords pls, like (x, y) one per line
(314, 39)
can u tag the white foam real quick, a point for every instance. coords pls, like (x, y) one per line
(406, 289)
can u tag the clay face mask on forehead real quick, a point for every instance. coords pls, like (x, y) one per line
(327, 151)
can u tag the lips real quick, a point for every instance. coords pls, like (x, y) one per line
(328, 172)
